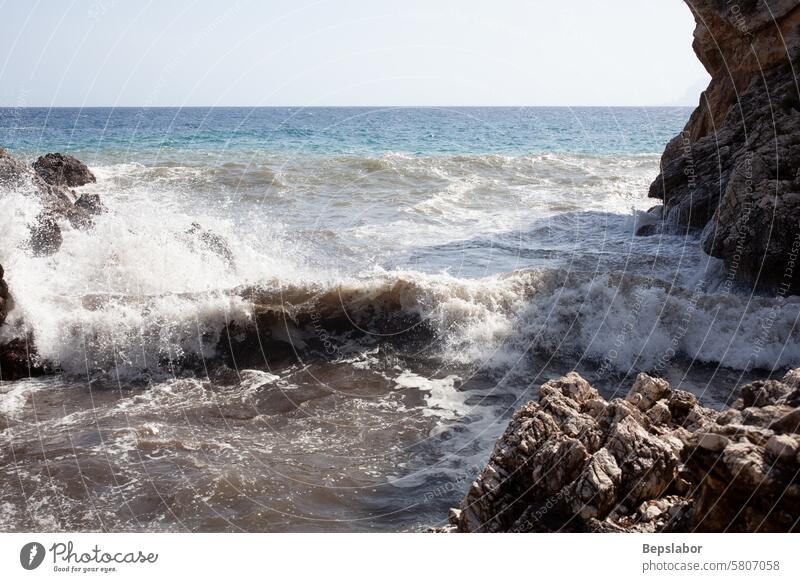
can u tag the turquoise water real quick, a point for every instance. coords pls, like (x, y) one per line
(341, 131)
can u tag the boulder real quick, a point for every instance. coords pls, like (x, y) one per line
(653, 461)
(62, 170)
(733, 170)
(57, 200)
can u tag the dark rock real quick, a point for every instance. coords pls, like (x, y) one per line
(648, 230)
(61, 170)
(46, 235)
(19, 359)
(5, 297)
(212, 242)
(763, 393)
(653, 461)
(733, 171)
(224, 376)
(90, 203)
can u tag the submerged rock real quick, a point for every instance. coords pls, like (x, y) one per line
(62, 170)
(653, 461)
(734, 171)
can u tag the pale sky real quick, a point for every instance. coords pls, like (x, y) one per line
(347, 52)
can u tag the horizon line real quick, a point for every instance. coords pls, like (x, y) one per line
(340, 106)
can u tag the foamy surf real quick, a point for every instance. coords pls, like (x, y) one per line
(333, 339)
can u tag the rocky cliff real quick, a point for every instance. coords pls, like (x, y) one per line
(653, 461)
(733, 171)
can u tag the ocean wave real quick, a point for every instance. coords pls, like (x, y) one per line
(620, 321)
(166, 279)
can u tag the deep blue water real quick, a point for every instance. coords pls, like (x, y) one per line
(135, 132)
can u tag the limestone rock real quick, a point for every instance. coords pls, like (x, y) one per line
(653, 461)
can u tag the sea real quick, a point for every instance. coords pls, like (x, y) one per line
(321, 319)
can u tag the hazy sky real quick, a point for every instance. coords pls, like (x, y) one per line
(347, 52)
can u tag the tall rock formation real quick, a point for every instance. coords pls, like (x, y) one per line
(733, 171)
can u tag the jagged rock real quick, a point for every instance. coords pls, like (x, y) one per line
(733, 171)
(18, 176)
(6, 303)
(653, 461)
(57, 200)
(762, 393)
(572, 460)
(62, 170)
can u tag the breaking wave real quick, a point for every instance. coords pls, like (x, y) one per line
(167, 275)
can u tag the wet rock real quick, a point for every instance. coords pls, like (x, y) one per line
(5, 297)
(91, 204)
(207, 240)
(62, 170)
(763, 393)
(46, 235)
(733, 171)
(648, 230)
(653, 461)
(57, 200)
(19, 359)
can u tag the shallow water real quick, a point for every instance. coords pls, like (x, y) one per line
(321, 320)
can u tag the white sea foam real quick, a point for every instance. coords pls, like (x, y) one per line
(142, 289)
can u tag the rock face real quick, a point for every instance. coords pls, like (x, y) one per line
(733, 171)
(653, 461)
(61, 170)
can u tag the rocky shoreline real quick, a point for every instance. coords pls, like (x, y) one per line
(654, 461)
(657, 460)
(50, 180)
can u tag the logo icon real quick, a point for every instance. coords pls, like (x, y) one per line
(31, 555)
